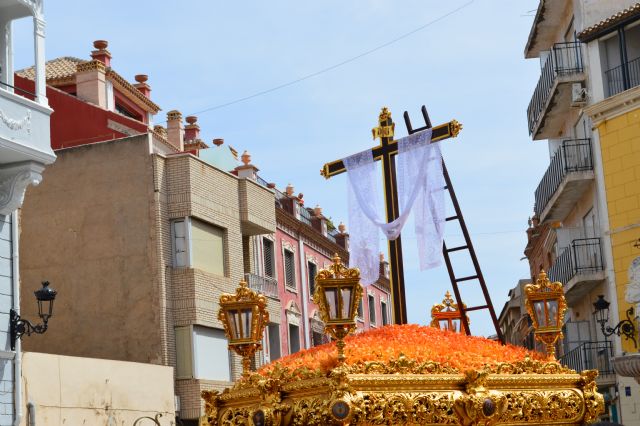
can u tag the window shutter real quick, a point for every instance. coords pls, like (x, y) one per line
(289, 266)
(267, 253)
(313, 270)
(372, 309)
(184, 355)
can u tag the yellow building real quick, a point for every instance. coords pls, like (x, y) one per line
(617, 122)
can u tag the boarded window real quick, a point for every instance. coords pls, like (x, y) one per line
(269, 258)
(360, 310)
(294, 338)
(385, 313)
(184, 357)
(207, 247)
(210, 354)
(180, 252)
(372, 309)
(274, 341)
(289, 269)
(312, 270)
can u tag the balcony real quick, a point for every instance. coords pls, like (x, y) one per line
(552, 97)
(623, 77)
(565, 181)
(592, 356)
(257, 211)
(263, 285)
(579, 268)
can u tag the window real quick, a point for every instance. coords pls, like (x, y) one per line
(372, 309)
(294, 338)
(360, 309)
(274, 341)
(385, 313)
(317, 339)
(312, 270)
(198, 244)
(289, 269)
(180, 244)
(207, 247)
(195, 348)
(268, 258)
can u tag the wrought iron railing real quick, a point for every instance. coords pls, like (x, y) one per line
(17, 89)
(305, 215)
(583, 256)
(623, 77)
(264, 285)
(573, 155)
(563, 59)
(590, 356)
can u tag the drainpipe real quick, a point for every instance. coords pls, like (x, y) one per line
(15, 286)
(305, 295)
(31, 409)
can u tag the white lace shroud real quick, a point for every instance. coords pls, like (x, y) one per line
(420, 186)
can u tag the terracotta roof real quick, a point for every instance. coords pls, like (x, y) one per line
(628, 13)
(56, 69)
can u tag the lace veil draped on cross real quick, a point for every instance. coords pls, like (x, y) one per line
(420, 189)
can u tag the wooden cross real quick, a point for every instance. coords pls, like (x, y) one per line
(386, 152)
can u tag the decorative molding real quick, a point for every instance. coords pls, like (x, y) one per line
(286, 245)
(118, 127)
(14, 180)
(293, 313)
(17, 125)
(312, 259)
(614, 106)
(39, 25)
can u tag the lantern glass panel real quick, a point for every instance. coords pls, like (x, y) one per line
(346, 302)
(233, 316)
(552, 308)
(444, 324)
(247, 316)
(331, 294)
(455, 325)
(540, 315)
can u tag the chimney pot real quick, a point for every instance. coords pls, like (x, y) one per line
(271, 185)
(342, 228)
(101, 44)
(317, 210)
(191, 119)
(141, 78)
(289, 190)
(218, 141)
(245, 158)
(175, 129)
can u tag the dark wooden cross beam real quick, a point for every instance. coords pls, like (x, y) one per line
(386, 152)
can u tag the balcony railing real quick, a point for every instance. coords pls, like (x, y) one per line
(564, 59)
(623, 77)
(264, 285)
(574, 155)
(590, 356)
(583, 256)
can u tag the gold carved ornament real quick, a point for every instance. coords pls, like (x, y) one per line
(546, 306)
(447, 311)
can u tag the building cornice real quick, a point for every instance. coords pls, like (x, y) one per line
(282, 217)
(614, 106)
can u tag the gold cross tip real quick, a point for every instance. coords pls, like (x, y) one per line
(384, 115)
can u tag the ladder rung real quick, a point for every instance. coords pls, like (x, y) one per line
(476, 308)
(451, 218)
(469, 278)
(457, 248)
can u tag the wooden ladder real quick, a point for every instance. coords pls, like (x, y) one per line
(477, 276)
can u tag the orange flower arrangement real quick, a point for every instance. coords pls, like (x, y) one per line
(419, 343)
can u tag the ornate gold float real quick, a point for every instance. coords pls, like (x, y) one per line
(409, 382)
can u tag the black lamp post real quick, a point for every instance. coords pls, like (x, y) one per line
(626, 327)
(45, 297)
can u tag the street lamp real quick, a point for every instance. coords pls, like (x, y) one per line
(19, 326)
(546, 306)
(626, 327)
(338, 293)
(244, 316)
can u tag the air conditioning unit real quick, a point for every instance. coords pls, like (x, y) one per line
(578, 95)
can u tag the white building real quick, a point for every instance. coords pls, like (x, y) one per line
(24, 152)
(589, 51)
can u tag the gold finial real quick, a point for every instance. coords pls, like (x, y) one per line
(384, 129)
(454, 128)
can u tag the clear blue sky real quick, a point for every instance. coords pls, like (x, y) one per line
(468, 66)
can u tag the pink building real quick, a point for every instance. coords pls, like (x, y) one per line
(287, 262)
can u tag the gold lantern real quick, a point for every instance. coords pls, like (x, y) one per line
(446, 315)
(244, 316)
(546, 306)
(338, 293)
